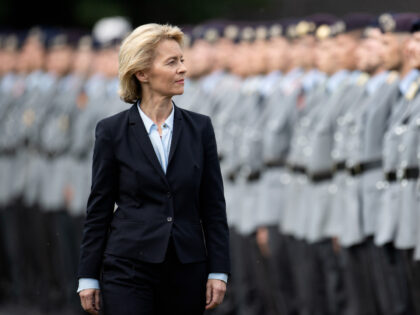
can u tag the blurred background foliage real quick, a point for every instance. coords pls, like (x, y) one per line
(19, 14)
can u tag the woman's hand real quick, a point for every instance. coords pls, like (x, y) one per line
(90, 299)
(215, 293)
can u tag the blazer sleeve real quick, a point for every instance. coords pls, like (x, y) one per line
(213, 206)
(100, 205)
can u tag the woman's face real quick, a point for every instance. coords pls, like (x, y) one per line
(167, 73)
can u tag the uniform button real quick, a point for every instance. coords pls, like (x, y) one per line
(169, 194)
(169, 219)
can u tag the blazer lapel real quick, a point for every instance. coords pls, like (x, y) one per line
(176, 133)
(138, 131)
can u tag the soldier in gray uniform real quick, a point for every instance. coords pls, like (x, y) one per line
(378, 95)
(54, 143)
(413, 48)
(386, 264)
(270, 147)
(242, 115)
(8, 59)
(340, 219)
(324, 285)
(395, 222)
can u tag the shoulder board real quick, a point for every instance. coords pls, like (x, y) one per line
(362, 79)
(392, 76)
(412, 91)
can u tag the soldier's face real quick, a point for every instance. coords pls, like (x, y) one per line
(36, 56)
(202, 57)
(58, 61)
(7, 61)
(222, 52)
(166, 75)
(305, 50)
(278, 54)
(325, 56)
(361, 54)
(259, 56)
(413, 50)
(391, 51)
(237, 60)
(373, 58)
(82, 61)
(345, 49)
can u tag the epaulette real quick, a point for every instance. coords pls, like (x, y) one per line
(362, 79)
(412, 90)
(392, 76)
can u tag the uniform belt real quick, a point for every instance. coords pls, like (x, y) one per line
(364, 167)
(391, 176)
(297, 169)
(321, 176)
(411, 173)
(274, 163)
(339, 166)
(255, 175)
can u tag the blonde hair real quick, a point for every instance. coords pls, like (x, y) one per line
(137, 53)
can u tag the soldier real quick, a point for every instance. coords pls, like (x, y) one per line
(413, 50)
(394, 225)
(8, 59)
(364, 163)
(335, 57)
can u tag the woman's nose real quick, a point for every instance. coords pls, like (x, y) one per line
(182, 68)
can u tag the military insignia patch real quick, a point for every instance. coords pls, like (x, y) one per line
(412, 91)
(392, 76)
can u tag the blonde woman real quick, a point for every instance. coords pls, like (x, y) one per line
(165, 249)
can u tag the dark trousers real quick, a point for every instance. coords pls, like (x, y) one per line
(359, 281)
(135, 287)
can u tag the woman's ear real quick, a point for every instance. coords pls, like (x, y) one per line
(142, 76)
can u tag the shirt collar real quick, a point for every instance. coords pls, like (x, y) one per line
(311, 79)
(376, 81)
(407, 80)
(354, 76)
(148, 123)
(335, 80)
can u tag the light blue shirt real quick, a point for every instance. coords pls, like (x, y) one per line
(161, 145)
(407, 80)
(336, 79)
(376, 81)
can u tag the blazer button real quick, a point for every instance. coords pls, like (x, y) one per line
(169, 219)
(169, 194)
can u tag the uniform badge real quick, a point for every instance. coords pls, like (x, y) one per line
(362, 79)
(82, 100)
(64, 122)
(392, 76)
(412, 91)
(28, 117)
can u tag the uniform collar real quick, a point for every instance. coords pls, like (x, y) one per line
(335, 80)
(407, 80)
(376, 81)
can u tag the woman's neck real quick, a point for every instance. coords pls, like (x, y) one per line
(157, 108)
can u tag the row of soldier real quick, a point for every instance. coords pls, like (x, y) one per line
(318, 139)
(54, 90)
(316, 122)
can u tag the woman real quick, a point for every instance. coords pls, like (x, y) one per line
(164, 250)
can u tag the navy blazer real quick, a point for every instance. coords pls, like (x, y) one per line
(187, 202)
